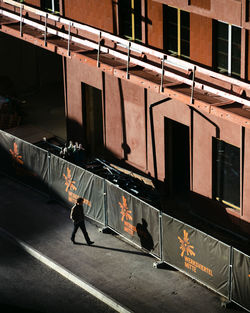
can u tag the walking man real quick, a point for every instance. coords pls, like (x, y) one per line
(77, 216)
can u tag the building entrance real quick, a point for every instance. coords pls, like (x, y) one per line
(92, 119)
(177, 158)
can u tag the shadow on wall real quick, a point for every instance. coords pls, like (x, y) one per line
(212, 210)
(144, 235)
(215, 213)
(124, 145)
(76, 133)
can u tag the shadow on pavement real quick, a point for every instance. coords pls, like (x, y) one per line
(113, 249)
(7, 308)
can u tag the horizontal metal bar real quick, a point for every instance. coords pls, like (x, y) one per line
(134, 46)
(122, 56)
(52, 31)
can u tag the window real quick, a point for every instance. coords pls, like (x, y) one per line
(226, 173)
(248, 11)
(227, 48)
(51, 5)
(176, 32)
(129, 12)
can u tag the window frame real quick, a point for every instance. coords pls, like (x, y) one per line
(247, 17)
(132, 21)
(53, 6)
(228, 71)
(179, 27)
(218, 184)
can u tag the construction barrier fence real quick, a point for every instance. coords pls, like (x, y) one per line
(241, 279)
(24, 161)
(69, 182)
(133, 218)
(206, 259)
(198, 255)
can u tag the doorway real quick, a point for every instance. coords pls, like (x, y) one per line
(92, 119)
(177, 157)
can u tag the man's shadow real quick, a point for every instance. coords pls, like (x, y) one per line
(113, 249)
(144, 235)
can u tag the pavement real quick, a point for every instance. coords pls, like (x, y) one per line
(113, 269)
(29, 286)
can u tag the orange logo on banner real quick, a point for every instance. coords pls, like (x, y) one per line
(188, 249)
(17, 161)
(125, 213)
(70, 185)
(15, 154)
(68, 181)
(185, 245)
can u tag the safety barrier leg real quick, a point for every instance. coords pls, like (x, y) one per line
(226, 302)
(50, 196)
(105, 228)
(160, 263)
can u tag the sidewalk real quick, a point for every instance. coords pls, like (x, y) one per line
(111, 265)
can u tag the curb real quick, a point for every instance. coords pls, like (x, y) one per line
(67, 274)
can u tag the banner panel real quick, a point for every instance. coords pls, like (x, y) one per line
(133, 218)
(69, 182)
(241, 279)
(24, 161)
(199, 255)
(7, 162)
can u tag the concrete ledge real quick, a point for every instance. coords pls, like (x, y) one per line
(67, 274)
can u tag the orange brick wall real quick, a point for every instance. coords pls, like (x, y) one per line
(155, 24)
(95, 13)
(201, 39)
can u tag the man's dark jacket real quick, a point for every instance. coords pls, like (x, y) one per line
(77, 214)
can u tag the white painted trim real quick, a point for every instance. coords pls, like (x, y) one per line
(53, 5)
(229, 57)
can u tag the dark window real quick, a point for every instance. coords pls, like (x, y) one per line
(185, 34)
(227, 41)
(129, 12)
(177, 157)
(176, 32)
(248, 11)
(51, 5)
(221, 47)
(236, 50)
(171, 22)
(92, 119)
(226, 173)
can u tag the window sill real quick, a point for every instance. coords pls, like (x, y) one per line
(229, 205)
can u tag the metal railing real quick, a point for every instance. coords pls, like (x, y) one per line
(163, 58)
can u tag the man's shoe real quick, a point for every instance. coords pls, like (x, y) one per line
(90, 243)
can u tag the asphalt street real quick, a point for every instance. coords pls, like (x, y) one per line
(111, 265)
(28, 286)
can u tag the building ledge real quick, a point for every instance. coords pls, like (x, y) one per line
(222, 96)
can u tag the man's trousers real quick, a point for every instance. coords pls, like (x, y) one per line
(84, 231)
